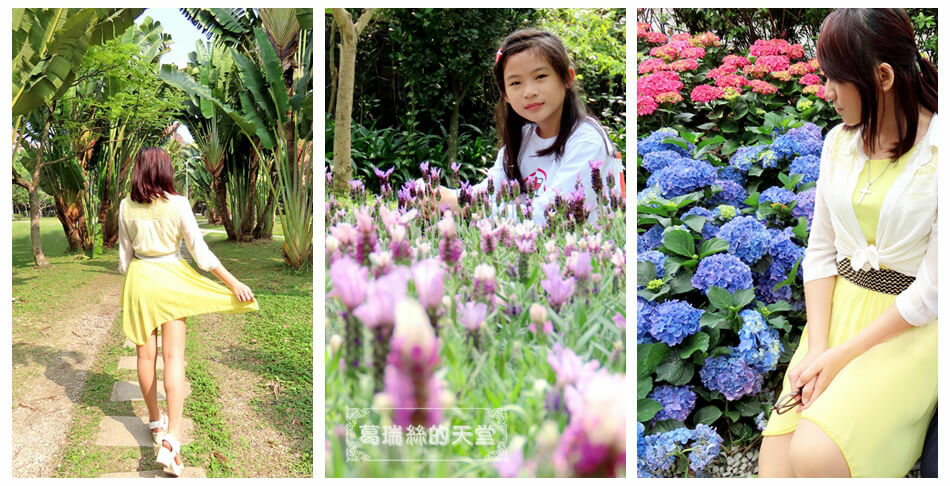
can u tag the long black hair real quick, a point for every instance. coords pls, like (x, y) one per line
(853, 42)
(508, 122)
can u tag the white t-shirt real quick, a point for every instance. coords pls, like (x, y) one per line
(548, 173)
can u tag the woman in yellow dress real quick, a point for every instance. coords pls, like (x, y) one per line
(161, 289)
(862, 386)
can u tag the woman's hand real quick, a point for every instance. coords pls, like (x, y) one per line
(242, 292)
(796, 372)
(822, 371)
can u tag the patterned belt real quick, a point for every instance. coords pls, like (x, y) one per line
(883, 281)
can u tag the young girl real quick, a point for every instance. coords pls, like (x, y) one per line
(862, 386)
(548, 139)
(160, 289)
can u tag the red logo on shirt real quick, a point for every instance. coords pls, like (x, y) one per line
(537, 178)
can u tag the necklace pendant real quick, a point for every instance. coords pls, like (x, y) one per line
(864, 192)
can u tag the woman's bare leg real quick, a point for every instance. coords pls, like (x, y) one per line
(814, 454)
(147, 357)
(173, 351)
(774, 456)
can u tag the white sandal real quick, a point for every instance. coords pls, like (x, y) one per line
(166, 458)
(161, 423)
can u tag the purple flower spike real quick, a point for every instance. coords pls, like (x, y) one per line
(381, 298)
(429, 278)
(410, 380)
(472, 315)
(594, 442)
(595, 164)
(579, 263)
(569, 367)
(349, 282)
(510, 464)
(559, 290)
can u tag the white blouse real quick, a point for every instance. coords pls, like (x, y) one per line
(906, 239)
(154, 232)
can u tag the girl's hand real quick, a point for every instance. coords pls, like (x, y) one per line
(822, 371)
(242, 292)
(796, 372)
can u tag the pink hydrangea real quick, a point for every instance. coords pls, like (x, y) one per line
(680, 37)
(705, 93)
(666, 52)
(801, 68)
(763, 87)
(693, 53)
(772, 47)
(795, 51)
(809, 79)
(735, 61)
(720, 71)
(757, 71)
(656, 37)
(814, 64)
(815, 89)
(782, 75)
(669, 97)
(773, 63)
(660, 82)
(734, 80)
(705, 39)
(684, 65)
(643, 28)
(651, 65)
(646, 105)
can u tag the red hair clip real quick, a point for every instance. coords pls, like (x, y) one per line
(498, 56)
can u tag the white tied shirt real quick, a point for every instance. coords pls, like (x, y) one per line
(548, 173)
(154, 232)
(906, 239)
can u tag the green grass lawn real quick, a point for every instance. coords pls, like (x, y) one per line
(203, 224)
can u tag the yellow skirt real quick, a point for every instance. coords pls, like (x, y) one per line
(157, 292)
(879, 406)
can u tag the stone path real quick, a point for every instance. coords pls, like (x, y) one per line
(133, 431)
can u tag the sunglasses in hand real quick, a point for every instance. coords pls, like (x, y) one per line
(788, 402)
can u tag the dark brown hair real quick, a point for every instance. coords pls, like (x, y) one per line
(853, 42)
(153, 175)
(510, 123)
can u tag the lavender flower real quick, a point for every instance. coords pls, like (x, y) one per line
(569, 368)
(429, 279)
(365, 235)
(472, 315)
(594, 442)
(410, 380)
(349, 282)
(559, 290)
(450, 246)
(485, 284)
(379, 314)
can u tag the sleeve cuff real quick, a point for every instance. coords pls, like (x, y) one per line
(916, 314)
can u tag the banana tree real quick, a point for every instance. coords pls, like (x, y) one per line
(278, 120)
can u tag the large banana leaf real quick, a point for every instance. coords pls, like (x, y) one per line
(184, 82)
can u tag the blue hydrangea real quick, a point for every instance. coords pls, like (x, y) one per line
(682, 177)
(759, 344)
(768, 158)
(748, 239)
(784, 251)
(651, 196)
(731, 376)
(743, 158)
(673, 321)
(812, 129)
(760, 421)
(722, 270)
(728, 172)
(654, 161)
(658, 454)
(805, 205)
(644, 319)
(656, 258)
(797, 141)
(777, 195)
(678, 402)
(709, 229)
(806, 165)
(732, 194)
(725, 212)
(654, 143)
(706, 445)
(650, 239)
(765, 285)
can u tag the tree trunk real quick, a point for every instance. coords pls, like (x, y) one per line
(331, 65)
(246, 231)
(73, 218)
(221, 205)
(342, 165)
(38, 256)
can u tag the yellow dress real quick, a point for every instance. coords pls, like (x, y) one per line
(159, 285)
(878, 407)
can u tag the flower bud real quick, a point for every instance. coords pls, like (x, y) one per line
(332, 244)
(412, 327)
(548, 435)
(335, 342)
(538, 313)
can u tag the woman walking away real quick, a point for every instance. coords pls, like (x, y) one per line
(161, 289)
